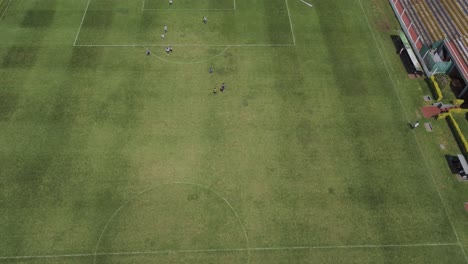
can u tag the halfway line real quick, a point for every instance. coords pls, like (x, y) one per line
(229, 250)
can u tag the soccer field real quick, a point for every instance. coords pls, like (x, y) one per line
(111, 156)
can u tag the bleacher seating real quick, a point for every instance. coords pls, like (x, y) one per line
(463, 5)
(424, 14)
(418, 24)
(438, 19)
(457, 17)
(446, 20)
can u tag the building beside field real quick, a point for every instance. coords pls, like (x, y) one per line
(436, 32)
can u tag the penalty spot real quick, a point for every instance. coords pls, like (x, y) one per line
(310, 5)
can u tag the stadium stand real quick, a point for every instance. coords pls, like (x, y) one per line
(438, 28)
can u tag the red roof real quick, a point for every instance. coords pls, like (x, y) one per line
(457, 55)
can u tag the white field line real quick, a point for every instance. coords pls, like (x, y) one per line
(109, 221)
(309, 4)
(169, 9)
(290, 23)
(186, 183)
(6, 8)
(183, 45)
(81, 24)
(136, 253)
(143, 5)
(414, 134)
(232, 209)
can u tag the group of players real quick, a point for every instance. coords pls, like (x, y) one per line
(169, 50)
(163, 35)
(221, 89)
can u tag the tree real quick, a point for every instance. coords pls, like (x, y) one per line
(443, 80)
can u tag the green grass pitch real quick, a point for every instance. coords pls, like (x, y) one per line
(111, 156)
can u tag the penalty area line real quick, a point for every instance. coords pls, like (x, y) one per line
(183, 45)
(81, 24)
(290, 22)
(228, 250)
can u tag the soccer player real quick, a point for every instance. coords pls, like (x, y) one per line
(162, 36)
(148, 52)
(170, 49)
(214, 90)
(170, 2)
(211, 70)
(165, 28)
(167, 50)
(205, 19)
(222, 87)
